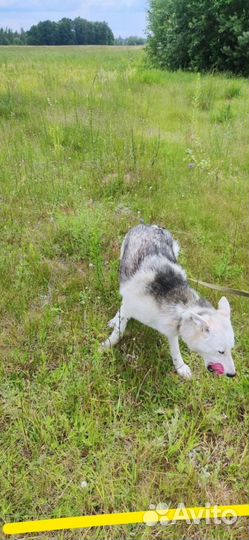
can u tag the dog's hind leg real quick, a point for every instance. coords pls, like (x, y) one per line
(113, 321)
(118, 323)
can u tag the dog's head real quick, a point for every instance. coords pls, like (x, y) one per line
(211, 335)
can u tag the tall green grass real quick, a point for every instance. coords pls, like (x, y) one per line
(91, 142)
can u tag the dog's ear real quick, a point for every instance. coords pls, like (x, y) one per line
(224, 307)
(199, 321)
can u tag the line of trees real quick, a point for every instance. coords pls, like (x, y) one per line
(67, 32)
(200, 35)
(10, 37)
(131, 40)
(64, 32)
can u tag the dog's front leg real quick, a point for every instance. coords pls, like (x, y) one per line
(182, 369)
(118, 323)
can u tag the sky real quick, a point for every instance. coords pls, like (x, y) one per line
(125, 17)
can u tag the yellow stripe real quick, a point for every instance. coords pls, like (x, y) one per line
(102, 520)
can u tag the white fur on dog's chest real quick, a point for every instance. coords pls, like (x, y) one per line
(144, 308)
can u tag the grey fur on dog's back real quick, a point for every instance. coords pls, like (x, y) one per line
(144, 241)
(150, 247)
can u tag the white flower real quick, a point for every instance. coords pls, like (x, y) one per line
(83, 484)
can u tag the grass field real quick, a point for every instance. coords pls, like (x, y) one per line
(92, 141)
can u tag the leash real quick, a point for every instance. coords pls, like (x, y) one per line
(227, 290)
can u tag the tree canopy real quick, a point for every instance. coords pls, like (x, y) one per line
(200, 35)
(70, 32)
(131, 40)
(64, 32)
(10, 37)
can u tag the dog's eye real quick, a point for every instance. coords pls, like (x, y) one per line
(221, 352)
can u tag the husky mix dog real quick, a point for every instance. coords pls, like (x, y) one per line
(155, 291)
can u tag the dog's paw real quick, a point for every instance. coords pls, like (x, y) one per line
(185, 372)
(112, 322)
(105, 345)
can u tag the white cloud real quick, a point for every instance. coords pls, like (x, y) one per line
(125, 17)
(38, 5)
(53, 5)
(9, 5)
(107, 4)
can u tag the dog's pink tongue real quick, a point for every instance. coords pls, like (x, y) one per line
(218, 369)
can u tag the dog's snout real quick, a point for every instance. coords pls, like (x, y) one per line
(230, 374)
